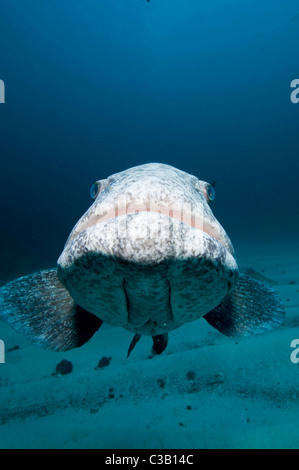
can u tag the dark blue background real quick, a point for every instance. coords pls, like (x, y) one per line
(94, 87)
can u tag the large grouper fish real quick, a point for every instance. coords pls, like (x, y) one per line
(148, 256)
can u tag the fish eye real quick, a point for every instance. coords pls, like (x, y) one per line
(210, 193)
(94, 190)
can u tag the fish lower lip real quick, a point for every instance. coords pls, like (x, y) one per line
(189, 218)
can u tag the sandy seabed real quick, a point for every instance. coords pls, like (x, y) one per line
(205, 391)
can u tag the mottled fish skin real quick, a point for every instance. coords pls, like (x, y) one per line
(149, 255)
(38, 306)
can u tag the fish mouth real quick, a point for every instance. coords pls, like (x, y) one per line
(186, 215)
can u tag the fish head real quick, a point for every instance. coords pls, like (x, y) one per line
(149, 254)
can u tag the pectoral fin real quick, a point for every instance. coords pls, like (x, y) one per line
(40, 307)
(251, 308)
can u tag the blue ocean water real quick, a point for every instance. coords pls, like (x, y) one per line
(95, 87)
